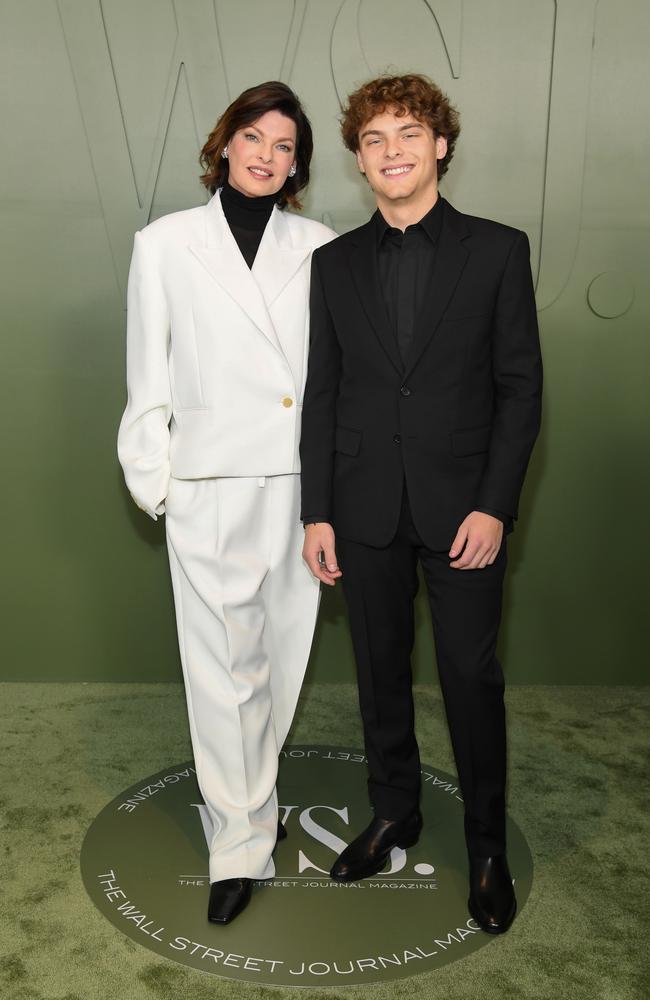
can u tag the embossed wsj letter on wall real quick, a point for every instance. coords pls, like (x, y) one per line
(153, 75)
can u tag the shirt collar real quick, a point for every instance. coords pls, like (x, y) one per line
(430, 223)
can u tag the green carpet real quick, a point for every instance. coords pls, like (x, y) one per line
(578, 789)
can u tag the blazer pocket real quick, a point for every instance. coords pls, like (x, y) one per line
(471, 442)
(347, 441)
(463, 317)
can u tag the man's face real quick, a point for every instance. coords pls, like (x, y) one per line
(399, 156)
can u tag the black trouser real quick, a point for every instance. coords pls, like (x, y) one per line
(380, 585)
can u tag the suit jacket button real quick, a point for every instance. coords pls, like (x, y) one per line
(287, 401)
(397, 438)
(405, 391)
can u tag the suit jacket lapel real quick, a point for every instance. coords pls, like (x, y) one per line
(277, 260)
(451, 258)
(223, 261)
(365, 274)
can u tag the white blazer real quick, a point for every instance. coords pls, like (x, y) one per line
(216, 352)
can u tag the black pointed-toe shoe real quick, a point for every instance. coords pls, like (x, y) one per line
(228, 898)
(369, 852)
(282, 833)
(491, 900)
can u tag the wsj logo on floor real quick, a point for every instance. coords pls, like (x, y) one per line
(312, 846)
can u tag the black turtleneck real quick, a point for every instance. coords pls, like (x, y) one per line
(247, 218)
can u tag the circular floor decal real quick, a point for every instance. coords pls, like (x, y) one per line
(144, 863)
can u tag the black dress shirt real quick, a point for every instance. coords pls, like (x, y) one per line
(247, 218)
(406, 264)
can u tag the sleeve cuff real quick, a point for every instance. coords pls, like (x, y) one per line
(505, 519)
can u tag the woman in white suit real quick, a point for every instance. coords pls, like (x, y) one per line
(217, 337)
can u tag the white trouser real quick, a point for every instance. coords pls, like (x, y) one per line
(246, 608)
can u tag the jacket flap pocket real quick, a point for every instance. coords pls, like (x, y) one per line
(471, 442)
(348, 441)
(461, 316)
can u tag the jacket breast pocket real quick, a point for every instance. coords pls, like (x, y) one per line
(471, 442)
(462, 316)
(347, 441)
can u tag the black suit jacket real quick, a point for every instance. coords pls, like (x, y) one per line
(458, 420)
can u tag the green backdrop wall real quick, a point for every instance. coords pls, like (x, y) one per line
(105, 106)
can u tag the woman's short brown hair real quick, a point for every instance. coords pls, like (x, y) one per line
(412, 94)
(245, 110)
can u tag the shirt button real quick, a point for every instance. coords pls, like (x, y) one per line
(287, 401)
(397, 438)
(405, 391)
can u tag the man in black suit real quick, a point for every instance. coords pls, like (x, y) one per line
(421, 409)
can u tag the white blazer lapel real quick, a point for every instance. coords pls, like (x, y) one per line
(277, 260)
(222, 259)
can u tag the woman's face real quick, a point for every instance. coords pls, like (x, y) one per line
(261, 155)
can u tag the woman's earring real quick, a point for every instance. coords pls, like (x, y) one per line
(292, 170)
(224, 153)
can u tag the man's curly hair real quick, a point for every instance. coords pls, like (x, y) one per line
(412, 94)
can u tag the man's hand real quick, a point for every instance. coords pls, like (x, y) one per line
(481, 535)
(319, 552)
